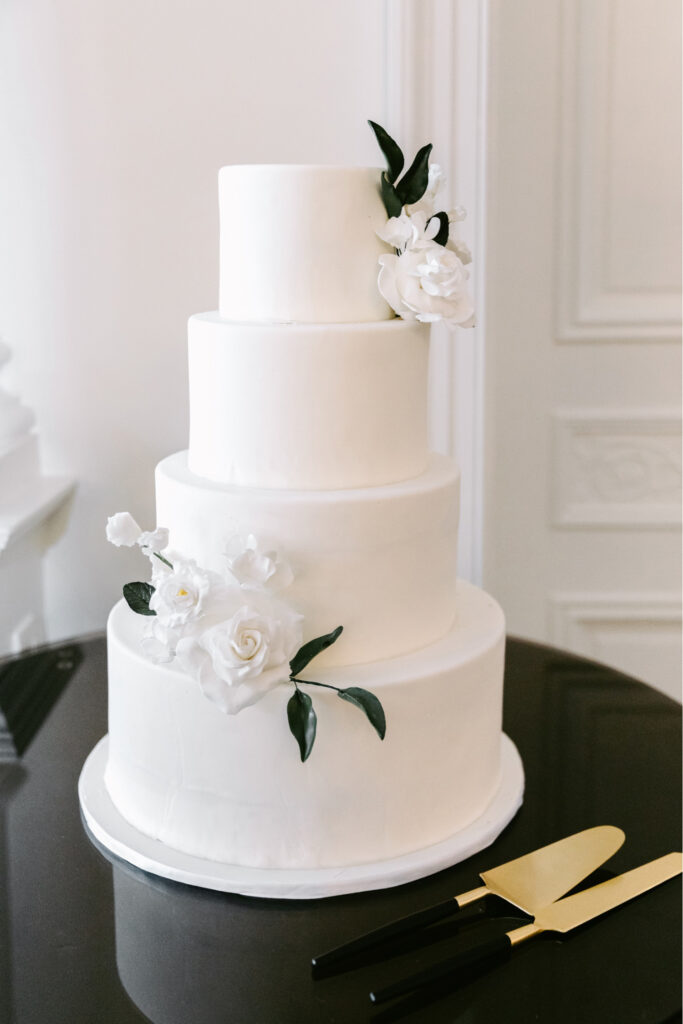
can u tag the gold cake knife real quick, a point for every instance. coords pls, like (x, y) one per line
(561, 916)
(529, 882)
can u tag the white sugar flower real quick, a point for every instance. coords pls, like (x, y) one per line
(153, 540)
(180, 593)
(122, 530)
(252, 567)
(427, 283)
(239, 660)
(407, 231)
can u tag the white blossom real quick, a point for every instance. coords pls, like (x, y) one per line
(122, 530)
(406, 231)
(252, 567)
(180, 593)
(427, 283)
(238, 660)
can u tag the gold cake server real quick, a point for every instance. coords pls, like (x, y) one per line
(529, 882)
(561, 916)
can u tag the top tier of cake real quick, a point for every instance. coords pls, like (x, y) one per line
(299, 244)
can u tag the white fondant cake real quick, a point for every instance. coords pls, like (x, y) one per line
(308, 429)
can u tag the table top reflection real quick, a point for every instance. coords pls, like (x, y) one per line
(85, 937)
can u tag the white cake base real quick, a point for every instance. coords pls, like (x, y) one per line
(111, 830)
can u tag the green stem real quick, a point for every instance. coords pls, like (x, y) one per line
(312, 682)
(162, 559)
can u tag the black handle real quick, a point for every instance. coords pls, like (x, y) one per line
(403, 926)
(494, 949)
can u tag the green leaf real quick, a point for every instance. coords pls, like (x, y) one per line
(392, 151)
(390, 197)
(138, 596)
(368, 703)
(413, 184)
(309, 651)
(441, 237)
(302, 721)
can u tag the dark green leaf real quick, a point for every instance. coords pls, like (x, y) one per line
(302, 721)
(390, 198)
(138, 597)
(441, 237)
(311, 649)
(368, 703)
(413, 184)
(391, 150)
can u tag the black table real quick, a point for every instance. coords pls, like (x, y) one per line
(83, 939)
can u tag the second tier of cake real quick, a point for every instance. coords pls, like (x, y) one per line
(379, 561)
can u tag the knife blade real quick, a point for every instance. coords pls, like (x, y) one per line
(562, 916)
(528, 882)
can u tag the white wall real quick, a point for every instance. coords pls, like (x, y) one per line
(114, 119)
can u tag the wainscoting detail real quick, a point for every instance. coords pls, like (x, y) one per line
(606, 290)
(617, 469)
(638, 633)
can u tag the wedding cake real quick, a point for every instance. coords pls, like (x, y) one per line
(308, 500)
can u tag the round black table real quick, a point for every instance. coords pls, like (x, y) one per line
(86, 938)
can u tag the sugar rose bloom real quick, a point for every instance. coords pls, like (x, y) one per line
(427, 283)
(252, 567)
(180, 594)
(238, 661)
(122, 530)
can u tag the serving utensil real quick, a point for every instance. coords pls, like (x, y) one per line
(529, 882)
(562, 916)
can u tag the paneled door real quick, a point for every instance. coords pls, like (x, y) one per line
(582, 309)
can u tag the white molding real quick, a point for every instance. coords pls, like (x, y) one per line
(573, 612)
(590, 307)
(435, 90)
(617, 468)
(638, 632)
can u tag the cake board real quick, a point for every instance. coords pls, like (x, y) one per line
(113, 832)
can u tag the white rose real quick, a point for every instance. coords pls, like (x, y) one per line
(252, 567)
(427, 283)
(153, 540)
(238, 661)
(122, 530)
(180, 593)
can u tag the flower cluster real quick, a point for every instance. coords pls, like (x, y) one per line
(426, 278)
(231, 631)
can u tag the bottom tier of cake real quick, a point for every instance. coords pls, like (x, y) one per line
(234, 790)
